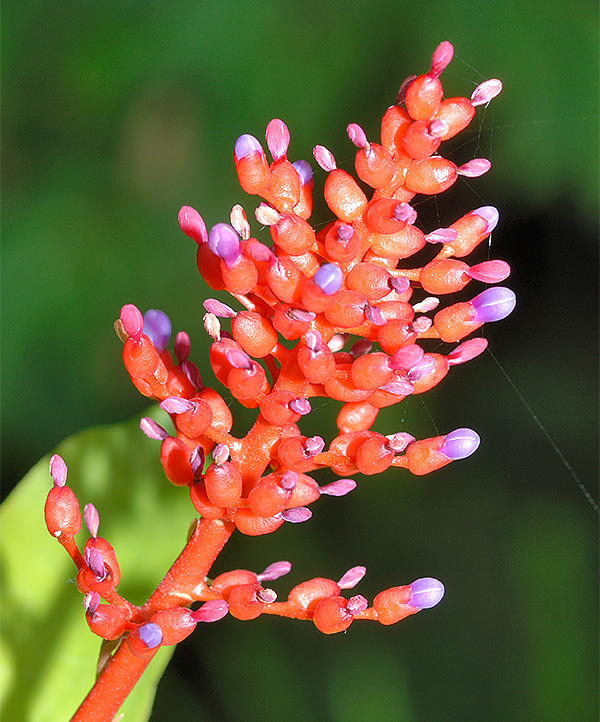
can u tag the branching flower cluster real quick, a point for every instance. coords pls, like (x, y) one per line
(337, 313)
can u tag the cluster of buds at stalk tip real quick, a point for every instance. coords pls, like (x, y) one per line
(335, 313)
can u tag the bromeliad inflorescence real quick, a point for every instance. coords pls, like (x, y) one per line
(337, 313)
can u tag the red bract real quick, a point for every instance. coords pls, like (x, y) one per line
(356, 319)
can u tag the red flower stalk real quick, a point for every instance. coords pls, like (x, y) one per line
(355, 318)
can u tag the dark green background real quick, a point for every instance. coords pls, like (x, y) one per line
(117, 113)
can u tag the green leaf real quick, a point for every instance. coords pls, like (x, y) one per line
(48, 655)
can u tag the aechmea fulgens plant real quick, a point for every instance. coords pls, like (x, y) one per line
(336, 313)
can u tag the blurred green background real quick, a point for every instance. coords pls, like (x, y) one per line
(117, 113)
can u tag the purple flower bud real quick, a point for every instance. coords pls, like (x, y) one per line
(224, 242)
(490, 271)
(324, 158)
(278, 138)
(442, 235)
(352, 577)
(486, 91)
(374, 315)
(474, 168)
(328, 278)
(404, 212)
(401, 284)
(356, 604)
(357, 136)
(268, 596)
(150, 634)
(460, 443)
(192, 373)
(406, 357)
(421, 369)
(304, 171)
(441, 57)
(181, 346)
(340, 487)
(299, 314)
(313, 341)
(93, 558)
(91, 519)
(399, 441)
(239, 359)
(220, 454)
(289, 480)
(466, 351)
(132, 321)
(297, 515)
(58, 470)
(274, 571)
(176, 405)
(344, 232)
(313, 445)
(400, 387)
(426, 593)
(91, 600)
(220, 309)
(157, 327)
(494, 304)
(361, 347)
(245, 145)
(191, 223)
(211, 611)
(300, 406)
(489, 214)
(197, 458)
(152, 429)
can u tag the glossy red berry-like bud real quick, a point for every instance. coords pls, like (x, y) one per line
(175, 460)
(106, 620)
(393, 604)
(374, 455)
(331, 615)
(145, 640)
(202, 503)
(272, 493)
(249, 523)
(347, 309)
(225, 582)
(374, 166)
(423, 97)
(371, 371)
(176, 624)
(431, 175)
(359, 416)
(308, 594)
(285, 279)
(244, 602)
(250, 164)
(293, 235)
(223, 484)
(344, 196)
(315, 359)
(254, 333)
(277, 408)
(444, 276)
(457, 113)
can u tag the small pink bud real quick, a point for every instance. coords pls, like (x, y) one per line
(474, 168)
(399, 441)
(152, 429)
(404, 86)
(220, 454)
(352, 577)
(267, 596)
(357, 136)
(297, 515)
(192, 373)
(300, 406)
(324, 158)
(267, 215)
(442, 235)
(441, 58)
(191, 223)
(197, 458)
(466, 351)
(222, 310)
(278, 138)
(132, 321)
(176, 405)
(274, 571)
(211, 611)
(427, 304)
(58, 470)
(91, 519)
(181, 346)
(340, 487)
(490, 271)
(486, 91)
(356, 604)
